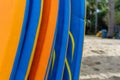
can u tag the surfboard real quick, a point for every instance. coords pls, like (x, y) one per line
(35, 44)
(63, 24)
(11, 20)
(76, 38)
(51, 55)
(21, 41)
(45, 40)
(29, 45)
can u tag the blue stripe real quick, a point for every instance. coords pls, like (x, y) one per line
(18, 54)
(61, 39)
(32, 27)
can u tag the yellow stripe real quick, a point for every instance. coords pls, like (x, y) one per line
(73, 44)
(46, 76)
(68, 68)
(68, 33)
(53, 63)
(53, 59)
(35, 42)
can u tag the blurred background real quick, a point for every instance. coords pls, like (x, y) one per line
(101, 54)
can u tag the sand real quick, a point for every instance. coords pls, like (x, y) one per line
(101, 59)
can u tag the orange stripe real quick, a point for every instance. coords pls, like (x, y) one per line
(35, 42)
(45, 39)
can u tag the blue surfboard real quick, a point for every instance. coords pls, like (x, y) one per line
(27, 47)
(76, 38)
(61, 40)
(23, 32)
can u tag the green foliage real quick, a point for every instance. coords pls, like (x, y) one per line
(117, 17)
(101, 22)
(117, 12)
(91, 11)
(102, 14)
(117, 5)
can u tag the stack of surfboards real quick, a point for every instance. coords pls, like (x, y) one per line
(41, 39)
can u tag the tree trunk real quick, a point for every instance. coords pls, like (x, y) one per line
(96, 18)
(111, 20)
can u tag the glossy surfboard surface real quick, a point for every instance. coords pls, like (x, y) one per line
(28, 47)
(11, 20)
(58, 55)
(51, 54)
(76, 38)
(21, 41)
(45, 40)
(35, 43)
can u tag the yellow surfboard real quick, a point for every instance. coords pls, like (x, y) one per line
(11, 19)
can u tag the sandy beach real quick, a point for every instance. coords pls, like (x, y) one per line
(101, 59)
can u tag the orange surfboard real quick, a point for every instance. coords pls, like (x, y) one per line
(11, 19)
(45, 40)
